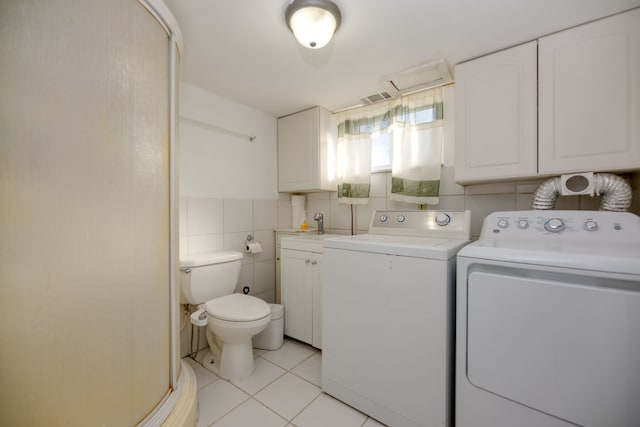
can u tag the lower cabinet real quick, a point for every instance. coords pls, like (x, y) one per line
(301, 295)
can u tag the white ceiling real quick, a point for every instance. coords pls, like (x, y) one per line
(242, 50)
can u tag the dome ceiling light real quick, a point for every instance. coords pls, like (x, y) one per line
(313, 22)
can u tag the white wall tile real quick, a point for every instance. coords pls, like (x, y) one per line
(235, 242)
(238, 215)
(395, 205)
(493, 188)
(379, 184)
(322, 206)
(246, 277)
(567, 203)
(183, 249)
(365, 212)
(284, 213)
(449, 203)
(525, 187)
(265, 214)
(523, 202)
(204, 243)
(340, 215)
(267, 240)
(264, 276)
(448, 186)
(182, 213)
(204, 216)
(483, 205)
(589, 203)
(320, 195)
(268, 296)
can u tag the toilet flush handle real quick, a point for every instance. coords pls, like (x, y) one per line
(185, 270)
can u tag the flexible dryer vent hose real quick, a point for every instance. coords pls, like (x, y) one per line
(615, 191)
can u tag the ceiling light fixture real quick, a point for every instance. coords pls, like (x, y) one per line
(313, 22)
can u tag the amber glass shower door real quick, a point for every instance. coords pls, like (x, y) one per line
(85, 213)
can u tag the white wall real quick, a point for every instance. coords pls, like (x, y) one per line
(229, 189)
(228, 186)
(216, 164)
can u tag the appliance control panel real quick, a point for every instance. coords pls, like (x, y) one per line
(453, 224)
(566, 225)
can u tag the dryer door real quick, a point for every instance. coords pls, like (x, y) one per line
(562, 344)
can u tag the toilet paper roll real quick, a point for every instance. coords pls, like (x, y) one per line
(253, 248)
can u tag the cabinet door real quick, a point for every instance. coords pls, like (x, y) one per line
(298, 160)
(590, 96)
(317, 300)
(297, 294)
(496, 117)
(279, 235)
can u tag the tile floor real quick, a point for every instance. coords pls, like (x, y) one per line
(283, 391)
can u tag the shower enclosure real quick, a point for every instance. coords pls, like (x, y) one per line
(88, 301)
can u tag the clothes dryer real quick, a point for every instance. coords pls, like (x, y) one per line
(548, 321)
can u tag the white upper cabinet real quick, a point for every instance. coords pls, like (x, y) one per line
(584, 114)
(589, 96)
(496, 116)
(306, 151)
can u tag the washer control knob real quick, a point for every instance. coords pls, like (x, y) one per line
(503, 223)
(590, 225)
(401, 218)
(443, 219)
(383, 218)
(554, 225)
(523, 224)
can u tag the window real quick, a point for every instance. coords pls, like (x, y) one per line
(381, 141)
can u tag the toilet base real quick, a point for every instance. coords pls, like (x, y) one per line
(232, 350)
(240, 367)
(236, 361)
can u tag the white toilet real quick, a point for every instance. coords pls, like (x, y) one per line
(208, 281)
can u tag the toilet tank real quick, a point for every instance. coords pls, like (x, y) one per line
(206, 276)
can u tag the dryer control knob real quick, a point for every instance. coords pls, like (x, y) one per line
(503, 223)
(523, 224)
(591, 225)
(443, 219)
(383, 218)
(401, 218)
(554, 225)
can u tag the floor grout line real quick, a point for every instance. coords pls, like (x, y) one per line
(252, 396)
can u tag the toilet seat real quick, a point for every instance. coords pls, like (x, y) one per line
(238, 308)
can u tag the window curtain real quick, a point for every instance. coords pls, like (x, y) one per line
(355, 129)
(417, 148)
(415, 124)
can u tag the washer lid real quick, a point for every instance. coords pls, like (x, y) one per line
(411, 246)
(238, 308)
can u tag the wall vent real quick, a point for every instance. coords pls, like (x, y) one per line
(376, 97)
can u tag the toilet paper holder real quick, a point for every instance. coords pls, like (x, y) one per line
(252, 248)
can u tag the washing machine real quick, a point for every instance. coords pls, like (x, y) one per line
(548, 321)
(388, 299)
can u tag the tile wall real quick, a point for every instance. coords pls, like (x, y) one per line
(209, 224)
(481, 199)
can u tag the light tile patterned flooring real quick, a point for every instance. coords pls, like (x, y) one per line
(283, 391)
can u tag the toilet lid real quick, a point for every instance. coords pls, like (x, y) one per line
(238, 308)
